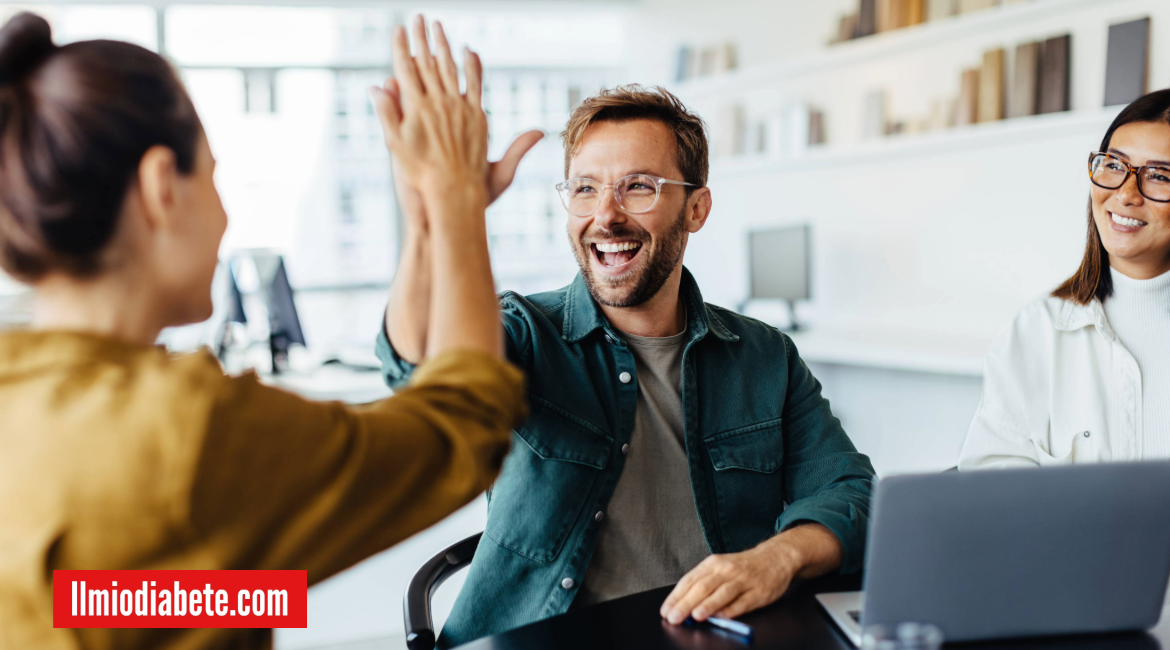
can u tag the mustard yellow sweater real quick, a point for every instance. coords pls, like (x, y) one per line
(116, 456)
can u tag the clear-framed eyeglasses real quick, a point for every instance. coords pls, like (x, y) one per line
(635, 194)
(1110, 172)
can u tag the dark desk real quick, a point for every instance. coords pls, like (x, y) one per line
(796, 622)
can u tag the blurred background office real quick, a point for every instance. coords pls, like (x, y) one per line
(899, 177)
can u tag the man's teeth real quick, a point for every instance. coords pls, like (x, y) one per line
(617, 247)
(1125, 221)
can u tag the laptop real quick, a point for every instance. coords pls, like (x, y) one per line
(1015, 553)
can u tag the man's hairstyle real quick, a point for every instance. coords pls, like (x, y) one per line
(633, 102)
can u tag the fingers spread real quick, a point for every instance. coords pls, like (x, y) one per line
(404, 69)
(422, 54)
(448, 71)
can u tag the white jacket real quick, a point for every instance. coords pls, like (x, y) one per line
(1058, 388)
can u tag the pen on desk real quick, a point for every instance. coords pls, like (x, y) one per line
(742, 629)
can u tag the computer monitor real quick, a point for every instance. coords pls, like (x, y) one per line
(779, 261)
(229, 308)
(270, 280)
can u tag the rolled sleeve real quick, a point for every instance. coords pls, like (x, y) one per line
(844, 511)
(396, 371)
(826, 479)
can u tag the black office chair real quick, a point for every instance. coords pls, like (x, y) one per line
(416, 606)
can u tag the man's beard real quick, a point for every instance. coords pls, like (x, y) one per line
(652, 275)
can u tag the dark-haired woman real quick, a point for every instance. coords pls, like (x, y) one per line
(1084, 375)
(116, 455)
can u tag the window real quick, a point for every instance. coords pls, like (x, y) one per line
(302, 165)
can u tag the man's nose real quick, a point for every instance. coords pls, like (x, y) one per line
(608, 212)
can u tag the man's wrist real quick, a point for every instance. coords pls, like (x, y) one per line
(782, 549)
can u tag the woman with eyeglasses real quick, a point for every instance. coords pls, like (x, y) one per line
(115, 454)
(1084, 375)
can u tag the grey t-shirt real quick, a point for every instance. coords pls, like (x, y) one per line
(651, 535)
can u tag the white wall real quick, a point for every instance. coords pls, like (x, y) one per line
(764, 30)
(940, 235)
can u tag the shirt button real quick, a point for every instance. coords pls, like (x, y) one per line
(599, 516)
(625, 449)
(624, 377)
(567, 583)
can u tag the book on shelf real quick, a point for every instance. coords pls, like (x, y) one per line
(967, 6)
(816, 127)
(938, 9)
(1025, 81)
(942, 114)
(758, 134)
(875, 114)
(867, 18)
(885, 15)
(967, 111)
(683, 63)
(726, 58)
(708, 59)
(915, 12)
(991, 86)
(1127, 64)
(797, 122)
(731, 131)
(1054, 75)
(846, 29)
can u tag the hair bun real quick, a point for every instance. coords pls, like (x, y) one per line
(25, 41)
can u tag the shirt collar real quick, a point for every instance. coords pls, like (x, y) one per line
(1074, 317)
(583, 315)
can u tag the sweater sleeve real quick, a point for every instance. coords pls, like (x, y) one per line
(287, 483)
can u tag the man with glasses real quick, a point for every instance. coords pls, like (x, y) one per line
(670, 441)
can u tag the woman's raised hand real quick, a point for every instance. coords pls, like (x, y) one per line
(437, 134)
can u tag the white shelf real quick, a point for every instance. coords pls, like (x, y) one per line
(928, 352)
(988, 134)
(865, 50)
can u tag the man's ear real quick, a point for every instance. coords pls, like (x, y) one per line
(158, 177)
(698, 209)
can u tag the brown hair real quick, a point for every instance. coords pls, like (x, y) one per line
(75, 122)
(1092, 279)
(634, 102)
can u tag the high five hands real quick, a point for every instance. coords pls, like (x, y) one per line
(431, 81)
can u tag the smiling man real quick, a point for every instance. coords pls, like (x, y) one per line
(670, 441)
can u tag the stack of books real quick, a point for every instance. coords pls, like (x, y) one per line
(878, 16)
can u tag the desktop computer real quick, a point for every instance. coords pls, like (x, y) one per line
(779, 261)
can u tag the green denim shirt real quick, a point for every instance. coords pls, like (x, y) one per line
(765, 451)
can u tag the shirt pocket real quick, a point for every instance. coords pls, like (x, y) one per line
(546, 481)
(748, 482)
(1067, 449)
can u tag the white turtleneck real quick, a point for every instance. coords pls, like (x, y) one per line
(1139, 313)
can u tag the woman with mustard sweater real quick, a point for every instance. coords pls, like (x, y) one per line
(115, 454)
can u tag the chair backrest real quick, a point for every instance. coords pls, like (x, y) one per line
(416, 605)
